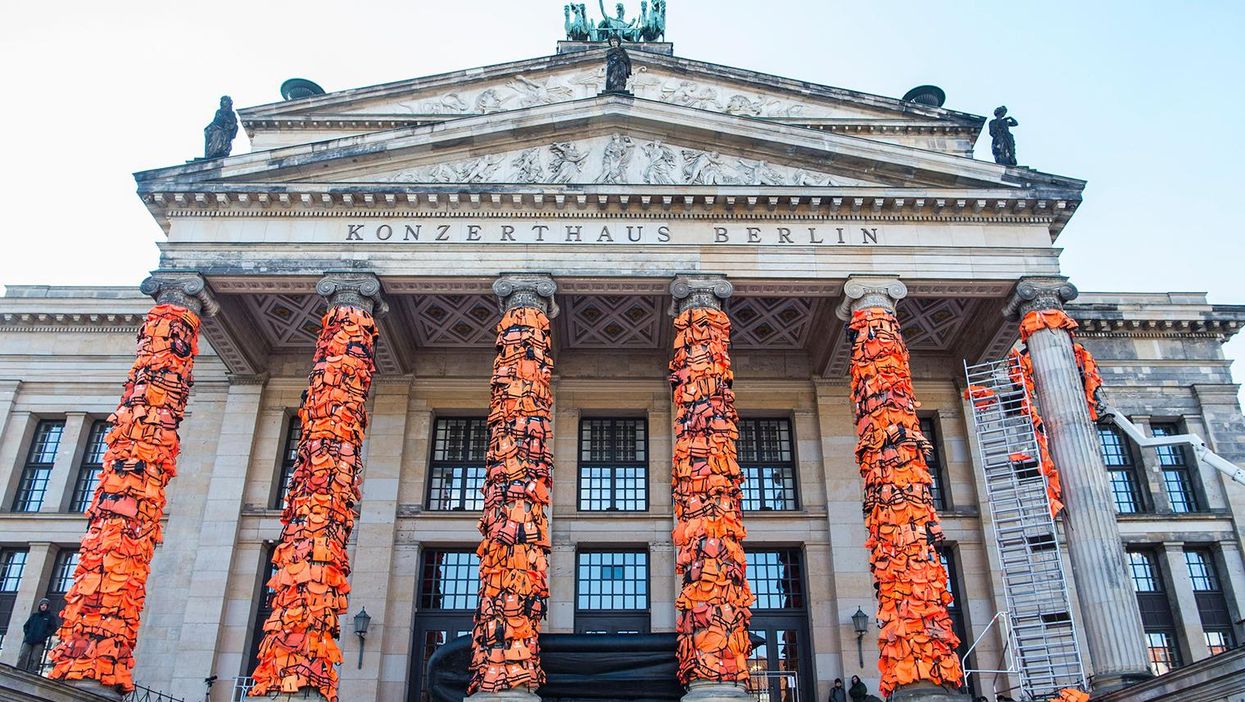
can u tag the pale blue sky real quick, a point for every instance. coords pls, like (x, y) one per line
(1142, 99)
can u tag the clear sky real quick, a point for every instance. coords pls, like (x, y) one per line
(1142, 99)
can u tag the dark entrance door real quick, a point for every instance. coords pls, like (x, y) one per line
(447, 595)
(781, 664)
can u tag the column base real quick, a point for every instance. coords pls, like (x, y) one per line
(713, 691)
(518, 695)
(96, 688)
(927, 692)
(1110, 682)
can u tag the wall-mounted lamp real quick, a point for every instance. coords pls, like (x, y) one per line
(362, 621)
(860, 622)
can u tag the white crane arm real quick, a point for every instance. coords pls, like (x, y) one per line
(1201, 451)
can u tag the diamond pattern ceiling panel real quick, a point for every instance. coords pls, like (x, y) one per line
(932, 323)
(614, 321)
(770, 322)
(288, 320)
(455, 321)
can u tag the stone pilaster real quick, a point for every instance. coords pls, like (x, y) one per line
(1110, 618)
(1152, 471)
(40, 559)
(1185, 600)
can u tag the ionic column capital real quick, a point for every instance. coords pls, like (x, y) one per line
(863, 291)
(519, 290)
(1039, 293)
(182, 288)
(693, 291)
(353, 289)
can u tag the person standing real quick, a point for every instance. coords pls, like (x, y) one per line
(35, 634)
(837, 693)
(858, 690)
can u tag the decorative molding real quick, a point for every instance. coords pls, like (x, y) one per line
(691, 291)
(288, 320)
(182, 288)
(933, 323)
(353, 289)
(523, 290)
(614, 321)
(861, 291)
(1039, 294)
(454, 321)
(770, 323)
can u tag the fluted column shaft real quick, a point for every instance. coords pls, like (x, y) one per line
(515, 544)
(1110, 617)
(100, 621)
(299, 654)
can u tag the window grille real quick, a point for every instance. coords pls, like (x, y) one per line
(34, 484)
(459, 445)
(1177, 477)
(767, 459)
(613, 465)
(1117, 456)
(89, 470)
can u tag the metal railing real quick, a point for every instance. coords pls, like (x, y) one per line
(242, 684)
(146, 694)
(774, 686)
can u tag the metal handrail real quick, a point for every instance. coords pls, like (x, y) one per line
(146, 694)
(761, 686)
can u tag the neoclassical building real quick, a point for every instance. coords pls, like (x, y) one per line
(432, 201)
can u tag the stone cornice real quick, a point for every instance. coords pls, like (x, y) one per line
(71, 322)
(1219, 329)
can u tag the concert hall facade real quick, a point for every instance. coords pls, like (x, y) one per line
(438, 202)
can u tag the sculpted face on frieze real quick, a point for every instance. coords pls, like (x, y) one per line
(614, 159)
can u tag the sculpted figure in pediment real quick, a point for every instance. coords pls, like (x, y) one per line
(528, 168)
(802, 177)
(567, 163)
(538, 92)
(741, 105)
(705, 168)
(759, 173)
(616, 159)
(689, 94)
(660, 163)
(480, 170)
(489, 101)
(218, 136)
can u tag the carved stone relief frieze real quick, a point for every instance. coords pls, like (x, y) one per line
(614, 159)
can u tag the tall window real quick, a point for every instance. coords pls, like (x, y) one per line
(613, 465)
(768, 463)
(1156, 611)
(447, 594)
(89, 469)
(611, 592)
(289, 458)
(263, 608)
(955, 610)
(780, 620)
(1212, 605)
(937, 490)
(12, 563)
(1117, 455)
(1177, 476)
(34, 484)
(457, 469)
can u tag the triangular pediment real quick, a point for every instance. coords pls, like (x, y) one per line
(607, 140)
(580, 75)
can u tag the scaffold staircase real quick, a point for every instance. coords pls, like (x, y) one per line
(1041, 639)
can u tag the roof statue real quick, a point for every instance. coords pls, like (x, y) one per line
(617, 67)
(1003, 144)
(650, 25)
(218, 136)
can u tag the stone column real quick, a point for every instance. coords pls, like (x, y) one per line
(64, 468)
(97, 651)
(298, 654)
(899, 512)
(1110, 618)
(713, 606)
(505, 661)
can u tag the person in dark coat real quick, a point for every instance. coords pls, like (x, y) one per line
(35, 634)
(858, 690)
(838, 693)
